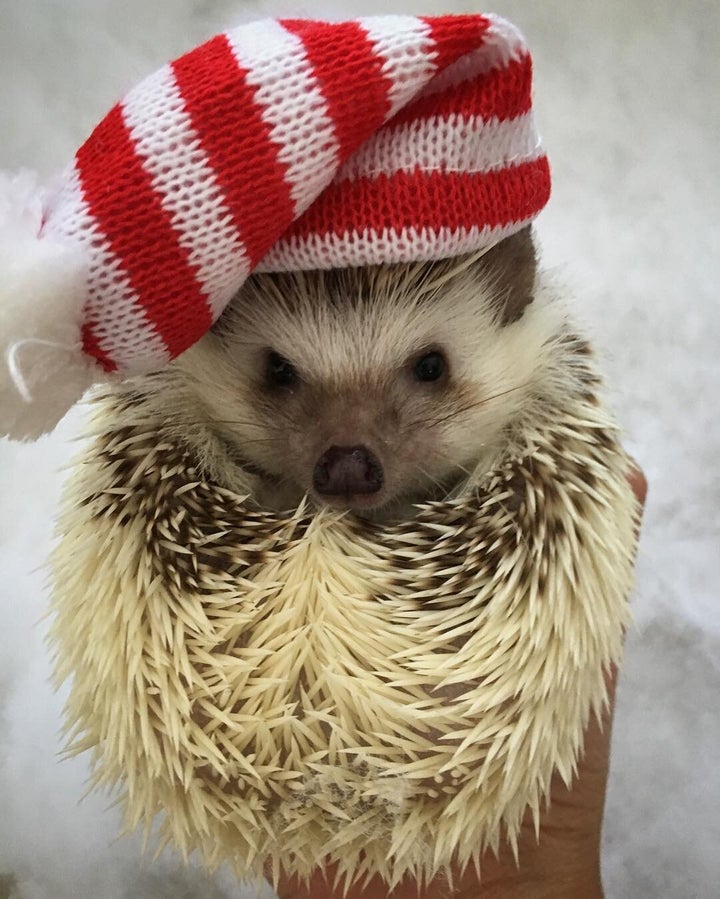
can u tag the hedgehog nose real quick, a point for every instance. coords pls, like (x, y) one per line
(346, 470)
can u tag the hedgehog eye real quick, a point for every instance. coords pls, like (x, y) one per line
(279, 372)
(430, 367)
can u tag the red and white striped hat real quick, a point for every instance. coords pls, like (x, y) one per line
(280, 145)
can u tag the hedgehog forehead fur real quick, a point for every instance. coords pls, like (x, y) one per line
(356, 327)
(309, 687)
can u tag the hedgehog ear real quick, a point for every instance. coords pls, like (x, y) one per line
(510, 268)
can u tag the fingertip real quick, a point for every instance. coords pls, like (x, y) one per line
(638, 482)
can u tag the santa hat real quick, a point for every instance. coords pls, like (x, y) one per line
(280, 145)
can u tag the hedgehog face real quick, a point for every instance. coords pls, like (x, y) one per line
(362, 438)
(369, 388)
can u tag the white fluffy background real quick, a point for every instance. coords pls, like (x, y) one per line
(627, 98)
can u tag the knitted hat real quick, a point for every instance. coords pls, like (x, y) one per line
(280, 145)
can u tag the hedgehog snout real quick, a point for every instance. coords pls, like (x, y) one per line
(347, 471)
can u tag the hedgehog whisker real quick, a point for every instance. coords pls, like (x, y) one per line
(433, 480)
(259, 440)
(467, 407)
(231, 421)
(493, 396)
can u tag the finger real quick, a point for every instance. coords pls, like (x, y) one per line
(638, 482)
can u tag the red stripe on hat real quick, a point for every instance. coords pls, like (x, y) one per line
(350, 77)
(120, 197)
(91, 347)
(502, 93)
(454, 36)
(228, 120)
(433, 200)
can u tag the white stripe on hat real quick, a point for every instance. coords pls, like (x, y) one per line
(120, 326)
(185, 183)
(293, 105)
(405, 45)
(377, 247)
(458, 144)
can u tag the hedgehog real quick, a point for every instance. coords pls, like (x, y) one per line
(340, 585)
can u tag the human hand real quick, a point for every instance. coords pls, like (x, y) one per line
(563, 864)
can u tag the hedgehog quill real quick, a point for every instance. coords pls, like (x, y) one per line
(349, 548)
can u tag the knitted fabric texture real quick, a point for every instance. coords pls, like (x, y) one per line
(295, 145)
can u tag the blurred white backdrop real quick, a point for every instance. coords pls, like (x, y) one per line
(627, 97)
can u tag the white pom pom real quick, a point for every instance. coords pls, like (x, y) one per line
(43, 370)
